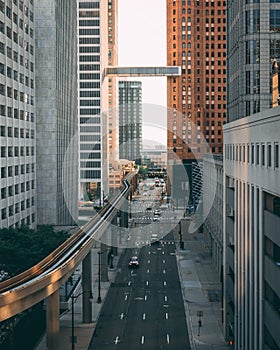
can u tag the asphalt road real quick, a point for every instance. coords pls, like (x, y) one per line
(144, 307)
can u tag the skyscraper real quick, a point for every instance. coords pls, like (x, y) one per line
(56, 111)
(196, 40)
(17, 115)
(130, 120)
(93, 97)
(251, 55)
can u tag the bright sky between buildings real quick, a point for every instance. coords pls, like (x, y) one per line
(142, 42)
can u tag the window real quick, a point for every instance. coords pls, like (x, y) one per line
(263, 155)
(274, 20)
(269, 155)
(276, 155)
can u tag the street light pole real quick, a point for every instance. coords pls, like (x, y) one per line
(99, 300)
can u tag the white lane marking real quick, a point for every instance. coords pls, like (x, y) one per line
(144, 316)
(148, 271)
(147, 283)
(164, 283)
(125, 298)
(117, 340)
(163, 271)
(167, 338)
(163, 261)
(166, 315)
(165, 298)
(142, 339)
(146, 297)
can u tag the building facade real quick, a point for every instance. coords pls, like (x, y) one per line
(251, 233)
(17, 115)
(130, 120)
(196, 40)
(56, 112)
(93, 97)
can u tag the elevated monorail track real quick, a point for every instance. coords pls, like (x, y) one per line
(40, 281)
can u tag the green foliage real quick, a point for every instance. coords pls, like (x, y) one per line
(143, 172)
(22, 248)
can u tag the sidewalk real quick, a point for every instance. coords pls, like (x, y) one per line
(201, 290)
(83, 332)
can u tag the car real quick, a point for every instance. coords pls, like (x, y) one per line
(133, 262)
(155, 218)
(157, 212)
(154, 239)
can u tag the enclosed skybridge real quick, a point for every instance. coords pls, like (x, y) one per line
(168, 71)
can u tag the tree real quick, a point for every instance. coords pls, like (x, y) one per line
(22, 248)
(143, 172)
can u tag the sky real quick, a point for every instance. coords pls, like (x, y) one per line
(142, 42)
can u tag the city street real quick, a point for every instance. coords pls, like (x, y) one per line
(144, 307)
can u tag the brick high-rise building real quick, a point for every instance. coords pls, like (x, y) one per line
(196, 41)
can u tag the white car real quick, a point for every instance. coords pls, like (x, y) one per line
(154, 239)
(133, 262)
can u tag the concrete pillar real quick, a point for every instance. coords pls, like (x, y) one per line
(86, 286)
(52, 315)
(124, 214)
(114, 233)
(104, 262)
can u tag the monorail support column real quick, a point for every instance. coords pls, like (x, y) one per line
(114, 234)
(87, 291)
(104, 262)
(52, 314)
(124, 214)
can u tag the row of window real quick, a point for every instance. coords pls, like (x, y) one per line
(16, 114)
(90, 164)
(13, 74)
(90, 174)
(16, 189)
(16, 151)
(16, 132)
(22, 7)
(17, 208)
(13, 93)
(18, 39)
(16, 170)
(264, 154)
(14, 55)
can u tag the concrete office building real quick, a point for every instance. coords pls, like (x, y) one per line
(251, 168)
(130, 120)
(93, 98)
(196, 40)
(251, 241)
(56, 111)
(17, 115)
